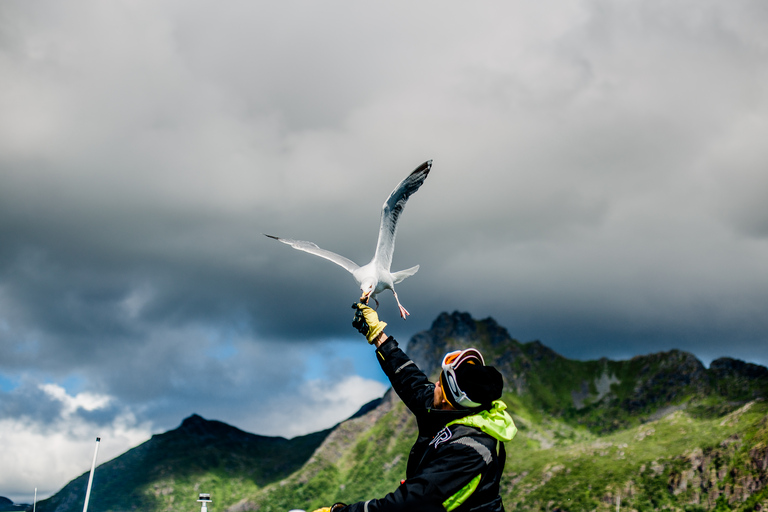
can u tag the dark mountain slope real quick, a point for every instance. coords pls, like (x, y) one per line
(155, 473)
(7, 505)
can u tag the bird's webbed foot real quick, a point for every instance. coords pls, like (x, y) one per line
(403, 312)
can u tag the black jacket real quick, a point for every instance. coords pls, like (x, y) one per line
(444, 460)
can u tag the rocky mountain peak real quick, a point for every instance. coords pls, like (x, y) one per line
(461, 325)
(197, 426)
(200, 430)
(454, 331)
(194, 421)
(738, 379)
(455, 324)
(725, 366)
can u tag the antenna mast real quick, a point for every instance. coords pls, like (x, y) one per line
(90, 477)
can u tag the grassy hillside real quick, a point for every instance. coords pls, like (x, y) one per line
(680, 462)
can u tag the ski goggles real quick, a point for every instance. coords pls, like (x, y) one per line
(452, 360)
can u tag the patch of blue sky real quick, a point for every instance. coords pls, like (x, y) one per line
(221, 351)
(8, 383)
(221, 345)
(73, 384)
(343, 354)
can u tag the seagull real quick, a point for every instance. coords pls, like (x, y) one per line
(375, 277)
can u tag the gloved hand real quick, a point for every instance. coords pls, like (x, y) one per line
(336, 507)
(367, 322)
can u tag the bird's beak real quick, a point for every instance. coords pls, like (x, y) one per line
(364, 298)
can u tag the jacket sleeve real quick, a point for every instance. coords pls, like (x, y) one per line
(408, 381)
(456, 466)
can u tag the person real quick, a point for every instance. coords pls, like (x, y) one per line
(458, 458)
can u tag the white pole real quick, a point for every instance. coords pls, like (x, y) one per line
(90, 478)
(34, 503)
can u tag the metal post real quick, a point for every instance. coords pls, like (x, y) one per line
(90, 477)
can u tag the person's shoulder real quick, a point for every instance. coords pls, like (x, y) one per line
(460, 430)
(471, 442)
(467, 432)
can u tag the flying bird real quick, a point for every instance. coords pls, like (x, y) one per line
(376, 277)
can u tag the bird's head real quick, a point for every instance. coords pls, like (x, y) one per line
(367, 287)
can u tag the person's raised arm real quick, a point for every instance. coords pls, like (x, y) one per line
(408, 381)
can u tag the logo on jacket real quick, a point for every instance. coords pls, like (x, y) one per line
(441, 437)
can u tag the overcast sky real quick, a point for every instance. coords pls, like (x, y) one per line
(600, 183)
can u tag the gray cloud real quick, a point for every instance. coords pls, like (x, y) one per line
(17, 404)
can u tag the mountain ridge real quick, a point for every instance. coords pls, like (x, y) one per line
(140, 476)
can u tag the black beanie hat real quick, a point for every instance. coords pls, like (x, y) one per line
(482, 384)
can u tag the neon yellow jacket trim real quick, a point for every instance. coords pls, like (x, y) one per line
(460, 497)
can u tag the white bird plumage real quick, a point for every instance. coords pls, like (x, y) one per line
(376, 277)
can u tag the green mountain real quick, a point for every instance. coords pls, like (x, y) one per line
(168, 471)
(654, 432)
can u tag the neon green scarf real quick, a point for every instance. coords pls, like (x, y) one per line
(495, 422)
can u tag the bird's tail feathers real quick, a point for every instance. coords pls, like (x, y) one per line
(399, 276)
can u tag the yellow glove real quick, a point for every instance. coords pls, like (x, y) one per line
(367, 322)
(336, 507)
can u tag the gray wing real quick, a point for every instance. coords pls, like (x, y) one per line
(391, 210)
(311, 248)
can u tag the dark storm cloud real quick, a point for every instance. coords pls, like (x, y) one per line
(558, 138)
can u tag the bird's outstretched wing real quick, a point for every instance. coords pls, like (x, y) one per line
(391, 210)
(311, 248)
